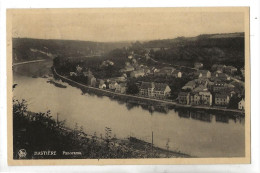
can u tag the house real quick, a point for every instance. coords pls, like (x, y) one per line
(110, 62)
(243, 71)
(146, 89)
(137, 73)
(190, 85)
(78, 69)
(204, 81)
(222, 99)
(200, 88)
(134, 61)
(219, 86)
(118, 79)
(127, 68)
(127, 63)
(124, 75)
(112, 85)
(165, 71)
(107, 63)
(102, 84)
(232, 93)
(130, 56)
(184, 98)
(154, 70)
(73, 74)
(121, 88)
(145, 69)
(147, 56)
(241, 104)
(87, 73)
(177, 74)
(157, 90)
(93, 81)
(168, 70)
(206, 98)
(203, 74)
(222, 76)
(161, 90)
(218, 68)
(230, 87)
(198, 65)
(195, 98)
(230, 69)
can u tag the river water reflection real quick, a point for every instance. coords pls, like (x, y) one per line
(196, 133)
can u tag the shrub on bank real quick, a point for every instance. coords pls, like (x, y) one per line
(37, 132)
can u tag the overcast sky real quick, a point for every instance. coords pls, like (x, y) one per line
(125, 24)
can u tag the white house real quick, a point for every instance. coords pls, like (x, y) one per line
(241, 104)
(177, 74)
(79, 69)
(112, 85)
(102, 84)
(73, 74)
(137, 73)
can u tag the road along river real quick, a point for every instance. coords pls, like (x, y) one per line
(199, 134)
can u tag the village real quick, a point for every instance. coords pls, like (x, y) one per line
(218, 87)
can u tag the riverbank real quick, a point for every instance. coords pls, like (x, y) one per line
(137, 99)
(41, 137)
(28, 62)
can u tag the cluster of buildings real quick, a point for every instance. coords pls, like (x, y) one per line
(117, 84)
(134, 70)
(210, 88)
(224, 69)
(107, 63)
(167, 71)
(154, 90)
(141, 70)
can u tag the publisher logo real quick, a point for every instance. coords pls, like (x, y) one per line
(22, 153)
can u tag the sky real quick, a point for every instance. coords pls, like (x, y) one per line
(128, 24)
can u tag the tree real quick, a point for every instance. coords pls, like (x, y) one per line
(167, 147)
(233, 103)
(132, 88)
(108, 136)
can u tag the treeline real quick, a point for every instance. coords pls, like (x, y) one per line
(22, 48)
(208, 49)
(66, 65)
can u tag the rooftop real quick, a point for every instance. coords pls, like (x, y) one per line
(200, 88)
(221, 95)
(146, 85)
(190, 83)
(160, 86)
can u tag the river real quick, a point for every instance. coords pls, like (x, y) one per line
(198, 134)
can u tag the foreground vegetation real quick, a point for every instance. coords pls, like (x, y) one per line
(37, 132)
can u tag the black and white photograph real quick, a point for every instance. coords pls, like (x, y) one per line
(129, 84)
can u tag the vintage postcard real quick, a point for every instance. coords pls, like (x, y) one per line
(128, 86)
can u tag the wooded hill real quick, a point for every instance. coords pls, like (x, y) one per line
(209, 49)
(29, 49)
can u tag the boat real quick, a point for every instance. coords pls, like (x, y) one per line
(56, 84)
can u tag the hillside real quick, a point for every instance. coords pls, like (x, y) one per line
(25, 49)
(208, 49)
